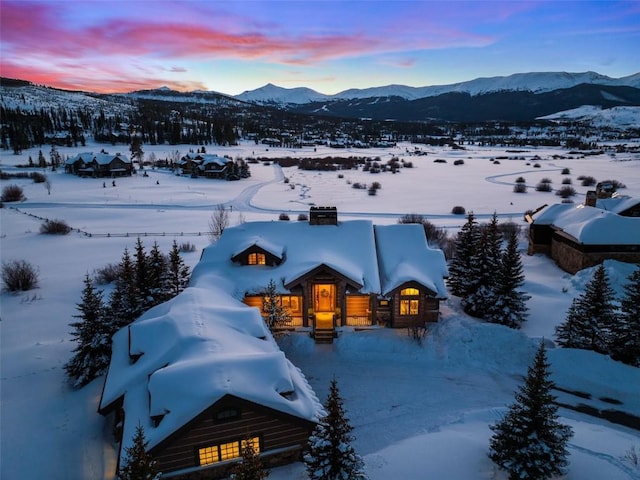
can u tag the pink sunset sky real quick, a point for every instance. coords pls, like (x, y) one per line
(330, 46)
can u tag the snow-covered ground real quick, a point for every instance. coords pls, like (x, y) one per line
(418, 411)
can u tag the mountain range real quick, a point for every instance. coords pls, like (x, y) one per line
(518, 97)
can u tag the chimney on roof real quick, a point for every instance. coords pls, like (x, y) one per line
(323, 216)
(590, 198)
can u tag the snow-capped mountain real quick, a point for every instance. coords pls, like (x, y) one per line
(536, 82)
(272, 94)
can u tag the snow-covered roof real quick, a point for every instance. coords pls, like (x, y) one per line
(86, 157)
(348, 248)
(107, 158)
(591, 225)
(404, 256)
(215, 160)
(193, 350)
(617, 203)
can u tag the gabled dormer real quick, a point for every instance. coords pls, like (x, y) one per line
(259, 253)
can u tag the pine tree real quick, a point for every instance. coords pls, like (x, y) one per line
(177, 277)
(250, 466)
(275, 314)
(329, 454)
(138, 464)
(463, 267)
(157, 271)
(509, 305)
(124, 305)
(529, 441)
(624, 343)
(487, 261)
(93, 350)
(145, 300)
(592, 315)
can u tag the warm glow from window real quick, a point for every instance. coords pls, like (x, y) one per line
(408, 307)
(229, 450)
(226, 451)
(406, 292)
(257, 259)
(208, 455)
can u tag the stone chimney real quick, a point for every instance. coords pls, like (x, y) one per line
(590, 198)
(323, 216)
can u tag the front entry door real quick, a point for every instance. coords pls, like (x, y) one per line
(324, 297)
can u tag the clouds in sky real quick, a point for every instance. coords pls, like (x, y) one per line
(121, 45)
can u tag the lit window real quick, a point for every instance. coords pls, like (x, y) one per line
(229, 450)
(408, 307)
(408, 292)
(257, 259)
(226, 451)
(208, 455)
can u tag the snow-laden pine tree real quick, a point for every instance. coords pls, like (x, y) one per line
(487, 262)
(463, 267)
(509, 304)
(177, 277)
(157, 268)
(141, 263)
(529, 442)
(624, 343)
(124, 302)
(590, 317)
(92, 353)
(250, 466)
(329, 454)
(275, 315)
(138, 464)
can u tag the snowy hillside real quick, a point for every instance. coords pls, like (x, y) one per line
(536, 82)
(619, 116)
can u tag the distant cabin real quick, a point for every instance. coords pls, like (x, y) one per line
(581, 236)
(89, 164)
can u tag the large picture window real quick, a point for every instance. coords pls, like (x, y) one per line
(409, 301)
(225, 451)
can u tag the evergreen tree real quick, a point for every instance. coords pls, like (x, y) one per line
(529, 441)
(138, 464)
(93, 350)
(275, 314)
(590, 317)
(177, 277)
(142, 276)
(124, 305)
(488, 262)
(329, 454)
(157, 271)
(624, 343)
(509, 305)
(250, 467)
(463, 267)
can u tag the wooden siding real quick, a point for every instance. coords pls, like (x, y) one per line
(243, 257)
(573, 257)
(276, 430)
(358, 310)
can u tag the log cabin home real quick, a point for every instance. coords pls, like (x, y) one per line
(202, 373)
(581, 236)
(332, 274)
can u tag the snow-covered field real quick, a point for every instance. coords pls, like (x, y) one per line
(418, 411)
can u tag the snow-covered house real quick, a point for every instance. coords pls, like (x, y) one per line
(99, 165)
(333, 274)
(214, 166)
(581, 236)
(201, 374)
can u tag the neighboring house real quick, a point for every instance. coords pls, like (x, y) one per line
(334, 274)
(201, 374)
(190, 162)
(581, 236)
(99, 165)
(213, 166)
